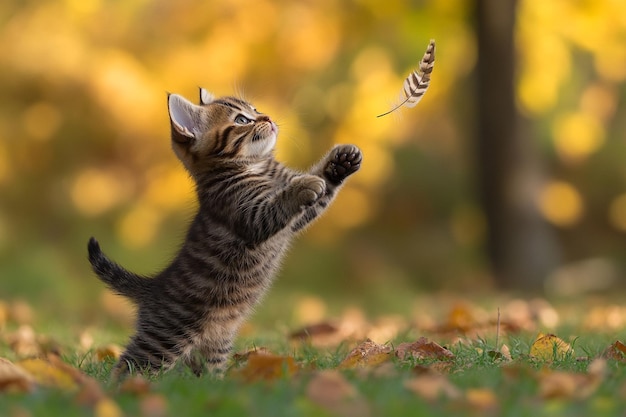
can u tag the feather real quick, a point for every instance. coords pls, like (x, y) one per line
(416, 84)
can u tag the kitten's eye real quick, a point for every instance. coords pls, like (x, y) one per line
(242, 120)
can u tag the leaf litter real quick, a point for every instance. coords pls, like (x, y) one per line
(39, 367)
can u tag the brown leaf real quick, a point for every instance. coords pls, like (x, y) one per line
(14, 378)
(431, 387)
(481, 398)
(367, 353)
(21, 312)
(320, 334)
(549, 347)
(136, 385)
(243, 356)
(570, 385)
(267, 367)
(154, 405)
(330, 390)
(24, 342)
(616, 351)
(423, 349)
(461, 317)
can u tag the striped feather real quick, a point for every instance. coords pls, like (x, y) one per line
(416, 84)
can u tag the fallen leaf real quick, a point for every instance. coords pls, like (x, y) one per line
(243, 356)
(423, 349)
(267, 367)
(549, 347)
(570, 385)
(320, 334)
(330, 390)
(367, 353)
(136, 385)
(154, 405)
(616, 351)
(107, 408)
(21, 312)
(44, 373)
(14, 378)
(482, 399)
(460, 318)
(24, 342)
(110, 351)
(432, 387)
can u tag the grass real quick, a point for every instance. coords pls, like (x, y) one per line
(516, 386)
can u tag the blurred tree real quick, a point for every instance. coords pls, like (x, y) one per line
(520, 244)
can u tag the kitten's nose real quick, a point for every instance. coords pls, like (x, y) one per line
(263, 118)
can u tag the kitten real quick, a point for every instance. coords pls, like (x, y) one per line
(250, 208)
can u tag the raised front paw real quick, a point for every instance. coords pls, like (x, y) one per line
(308, 189)
(343, 161)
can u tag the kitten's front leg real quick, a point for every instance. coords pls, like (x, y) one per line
(341, 162)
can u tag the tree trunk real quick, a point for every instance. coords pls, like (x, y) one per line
(520, 245)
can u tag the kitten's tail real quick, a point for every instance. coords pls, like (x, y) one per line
(115, 276)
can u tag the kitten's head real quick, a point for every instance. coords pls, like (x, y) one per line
(223, 128)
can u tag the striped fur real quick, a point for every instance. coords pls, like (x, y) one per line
(250, 207)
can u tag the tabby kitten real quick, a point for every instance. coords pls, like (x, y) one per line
(250, 207)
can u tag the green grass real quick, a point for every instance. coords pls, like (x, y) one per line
(517, 391)
(516, 385)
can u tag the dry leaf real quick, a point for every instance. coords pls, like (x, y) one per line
(330, 390)
(47, 374)
(136, 385)
(481, 398)
(423, 349)
(367, 353)
(108, 352)
(616, 351)
(243, 356)
(320, 334)
(21, 312)
(107, 408)
(24, 342)
(461, 318)
(154, 405)
(14, 378)
(432, 387)
(267, 367)
(570, 385)
(549, 347)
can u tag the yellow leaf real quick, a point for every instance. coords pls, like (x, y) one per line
(107, 408)
(14, 378)
(549, 347)
(45, 373)
(367, 353)
(481, 398)
(110, 351)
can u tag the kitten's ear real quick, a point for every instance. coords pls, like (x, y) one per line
(185, 118)
(205, 96)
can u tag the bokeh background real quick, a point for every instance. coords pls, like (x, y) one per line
(440, 205)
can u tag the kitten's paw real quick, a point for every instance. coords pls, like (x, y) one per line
(308, 189)
(343, 161)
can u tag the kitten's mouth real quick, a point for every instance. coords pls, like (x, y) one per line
(264, 134)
